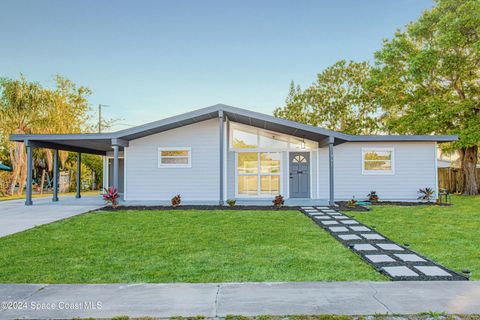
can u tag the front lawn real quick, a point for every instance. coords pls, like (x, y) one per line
(448, 235)
(179, 246)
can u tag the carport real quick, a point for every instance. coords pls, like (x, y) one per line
(99, 144)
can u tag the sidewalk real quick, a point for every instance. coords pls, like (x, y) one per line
(218, 300)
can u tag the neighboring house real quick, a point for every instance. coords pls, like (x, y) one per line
(448, 160)
(223, 152)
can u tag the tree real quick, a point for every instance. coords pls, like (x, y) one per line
(21, 111)
(27, 107)
(338, 100)
(427, 79)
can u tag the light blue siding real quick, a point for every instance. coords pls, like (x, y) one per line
(145, 181)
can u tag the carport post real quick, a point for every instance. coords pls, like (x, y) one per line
(79, 174)
(331, 201)
(28, 187)
(115, 167)
(55, 175)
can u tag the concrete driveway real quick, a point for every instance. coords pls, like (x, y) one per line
(16, 217)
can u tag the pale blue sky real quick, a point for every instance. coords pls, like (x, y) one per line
(153, 59)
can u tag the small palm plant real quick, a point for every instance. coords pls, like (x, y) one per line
(426, 194)
(176, 201)
(278, 201)
(111, 196)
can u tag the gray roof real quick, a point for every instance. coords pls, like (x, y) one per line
(100, 143)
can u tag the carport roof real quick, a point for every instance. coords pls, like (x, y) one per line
(100, 143)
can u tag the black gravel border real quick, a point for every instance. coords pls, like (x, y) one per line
(199, 207)
(379, 265)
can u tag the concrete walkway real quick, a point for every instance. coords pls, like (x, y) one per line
(392, 259)
(218, 300)
(16, 217)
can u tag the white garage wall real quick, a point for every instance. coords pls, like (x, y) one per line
(414, 169)
(145, 181)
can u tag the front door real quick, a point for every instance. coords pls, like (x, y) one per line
(299, 174)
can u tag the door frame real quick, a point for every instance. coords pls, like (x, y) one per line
(309, 172)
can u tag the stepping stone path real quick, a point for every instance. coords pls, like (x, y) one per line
(387, 257)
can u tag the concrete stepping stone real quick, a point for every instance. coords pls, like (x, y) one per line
(311, 211)
(334, 213)
(322, 217)
(340, 217)
(359, 228)
(400, 271)
(390, 246)
(329, 211)
(338, 229)
(409, 257)
(364, 247)
(323, 208)
(306, 208)
(433, 271)
(349, 222)
(316, 214)
(378, 258)
(349, 237)
(372, 236)
(328, 222)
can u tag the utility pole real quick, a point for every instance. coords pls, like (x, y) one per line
(100, 116)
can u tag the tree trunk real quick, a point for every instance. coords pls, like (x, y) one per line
(42, 181)
(16, 158)
(23, 177)
(469, 166)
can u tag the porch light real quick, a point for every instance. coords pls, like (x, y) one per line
(303, 144)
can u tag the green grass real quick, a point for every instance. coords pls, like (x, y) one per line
(179, 246)
(448, 235)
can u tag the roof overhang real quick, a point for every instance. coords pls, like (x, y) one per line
(101, 143)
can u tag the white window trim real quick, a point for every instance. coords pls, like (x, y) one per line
(174, 165)
(258, 175)
(378, 172)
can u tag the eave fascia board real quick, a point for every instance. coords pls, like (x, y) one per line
(403, 138)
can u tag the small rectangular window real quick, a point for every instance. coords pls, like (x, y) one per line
(377, 161)
(174, 157)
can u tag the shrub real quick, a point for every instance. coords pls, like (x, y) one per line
(278, 201)
(372, 196)
(426, 194)
(111, 196)
(5, 179)
(352, 203)
(176, 200)
(231, 202)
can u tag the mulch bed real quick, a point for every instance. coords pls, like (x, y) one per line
(198, 207)
(408, 204)
(342, 205)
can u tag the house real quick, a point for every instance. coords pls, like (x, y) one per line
(222, 152)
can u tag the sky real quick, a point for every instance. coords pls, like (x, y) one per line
(149, 60)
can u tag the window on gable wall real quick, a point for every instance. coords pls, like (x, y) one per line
(378, 161)
(174, 157)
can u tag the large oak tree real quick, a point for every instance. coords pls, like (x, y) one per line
(427, 79)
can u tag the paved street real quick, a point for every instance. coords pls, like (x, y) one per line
(212, 300)
(16, 217)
